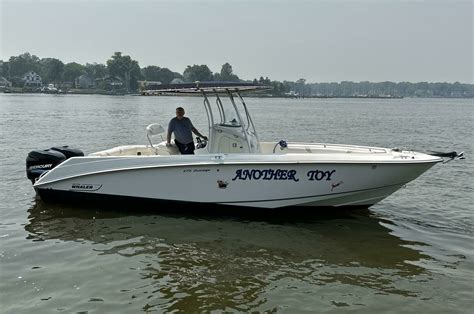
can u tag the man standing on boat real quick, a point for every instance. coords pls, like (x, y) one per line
(182, 127)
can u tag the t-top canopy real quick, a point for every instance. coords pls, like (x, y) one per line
(206, 87)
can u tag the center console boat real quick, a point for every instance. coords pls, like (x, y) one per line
(232, 168)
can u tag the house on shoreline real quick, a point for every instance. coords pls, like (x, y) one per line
(84, 81)
(32, 79)
(107, 85)
(4, 83)
(142, 85)
(110, 83)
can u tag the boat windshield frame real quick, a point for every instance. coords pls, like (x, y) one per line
(216, 89)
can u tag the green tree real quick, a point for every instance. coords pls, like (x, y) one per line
(126, 68)
(197, 73)
(96, 70)
(51, 69)
(72, 71)
(23, 63)
(278, 88)
(163, 75)
(227, 74)
(301, 86)
(4, 68)
(264, 81)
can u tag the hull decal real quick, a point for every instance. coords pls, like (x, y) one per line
(85, 187)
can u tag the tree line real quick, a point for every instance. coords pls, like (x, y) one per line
(128, 70)
(371, 89)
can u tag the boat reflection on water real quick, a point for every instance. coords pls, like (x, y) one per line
(211, 262)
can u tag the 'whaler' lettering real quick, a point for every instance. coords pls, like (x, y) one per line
(83, 186)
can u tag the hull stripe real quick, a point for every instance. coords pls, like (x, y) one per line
(48, 194)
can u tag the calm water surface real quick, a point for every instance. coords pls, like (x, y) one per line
(412, 252)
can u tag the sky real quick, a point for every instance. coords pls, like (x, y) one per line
(321, 41)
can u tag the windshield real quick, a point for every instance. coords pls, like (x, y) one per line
(224, 112)
(230, 117)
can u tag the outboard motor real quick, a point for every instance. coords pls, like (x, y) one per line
(40, 161)
(68, 151)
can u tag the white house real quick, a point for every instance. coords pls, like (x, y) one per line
(32, 79)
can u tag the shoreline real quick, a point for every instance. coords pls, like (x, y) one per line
(105, 93)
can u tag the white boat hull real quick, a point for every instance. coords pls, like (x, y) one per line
(263, 181)
(232, 167)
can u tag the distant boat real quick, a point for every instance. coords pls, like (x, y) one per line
(292, 94)
(50, 89)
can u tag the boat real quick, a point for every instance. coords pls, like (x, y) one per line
(232, 168)
(50, 89)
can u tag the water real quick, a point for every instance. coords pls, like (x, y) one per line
(412, 252)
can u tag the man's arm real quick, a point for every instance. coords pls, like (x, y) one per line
(195, 131)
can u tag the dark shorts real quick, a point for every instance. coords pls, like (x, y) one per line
(185, 149)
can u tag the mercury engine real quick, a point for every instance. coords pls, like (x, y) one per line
(40, 161)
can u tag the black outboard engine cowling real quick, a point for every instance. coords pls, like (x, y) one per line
(39, 161)
(68, 151)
